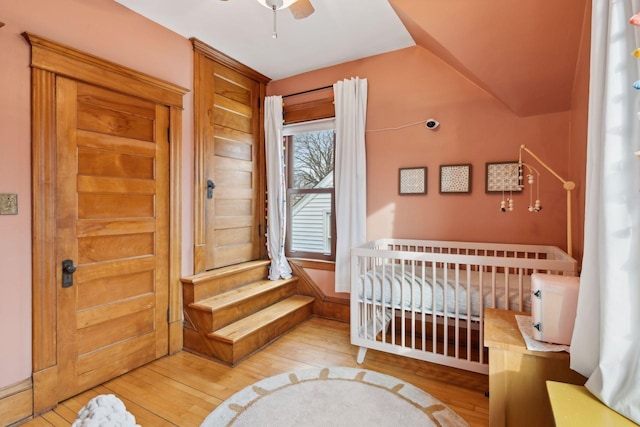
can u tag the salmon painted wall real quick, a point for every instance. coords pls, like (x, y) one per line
(406, 88)
(102, 28)
(578, 153)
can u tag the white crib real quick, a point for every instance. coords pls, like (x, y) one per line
(426, 299)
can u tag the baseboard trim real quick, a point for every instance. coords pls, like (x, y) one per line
(16, 402)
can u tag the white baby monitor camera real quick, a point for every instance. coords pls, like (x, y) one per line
(432, 124)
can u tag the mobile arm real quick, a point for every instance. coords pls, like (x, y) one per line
(567, 185)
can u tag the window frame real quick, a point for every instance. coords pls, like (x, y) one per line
(288, 133)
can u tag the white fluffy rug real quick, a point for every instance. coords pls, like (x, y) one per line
(332, 397)
(105, 410)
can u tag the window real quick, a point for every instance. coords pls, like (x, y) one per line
(310, 191)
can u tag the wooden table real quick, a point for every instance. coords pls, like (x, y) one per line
(517, 376)
(573, 405)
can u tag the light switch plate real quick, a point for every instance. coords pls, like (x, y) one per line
(8, 204)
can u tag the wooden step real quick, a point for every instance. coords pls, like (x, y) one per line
(241, 338)
(206, 284)
(230, 306)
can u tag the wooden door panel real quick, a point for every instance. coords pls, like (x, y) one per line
(103, 227)
(104, 313)
(233, 222)
(95, 95)
(233, 85)
(232, 236)
(233, 179)
(108, 248)
(100, 141)
(228, 255)
(97, 206)
(111, 269)
(232, 91)
(111, 113)
(234, 193)
(106, 291)
(98, 367)
(103, 120)
(231, 163)
(95, 184)
(228, 149)
(113, 217)
(234, 207)
(103, 163)
(232, 120)
(232, 143)
(223, 105)
(92, 337)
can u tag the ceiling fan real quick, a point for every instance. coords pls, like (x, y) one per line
(299, 9)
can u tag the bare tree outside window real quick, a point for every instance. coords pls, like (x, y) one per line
(313, 158)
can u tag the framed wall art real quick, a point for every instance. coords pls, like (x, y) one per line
(502, 176)
(412, 180)
(455, 178)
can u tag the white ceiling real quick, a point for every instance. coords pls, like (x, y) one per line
(524, 53)
(338, 31)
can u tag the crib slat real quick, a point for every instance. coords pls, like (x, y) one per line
(469, 313)
(434, 309)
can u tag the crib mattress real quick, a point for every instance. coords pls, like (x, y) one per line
(416, 289)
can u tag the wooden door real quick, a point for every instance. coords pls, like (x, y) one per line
(112, 222)
(232, 232)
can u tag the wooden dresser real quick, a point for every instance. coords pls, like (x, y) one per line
(517, 376)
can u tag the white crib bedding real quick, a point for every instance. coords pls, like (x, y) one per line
(405, 288)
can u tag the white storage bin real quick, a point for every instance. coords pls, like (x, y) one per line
(553, 307)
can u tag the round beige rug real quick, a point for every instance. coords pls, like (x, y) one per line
(332, 397)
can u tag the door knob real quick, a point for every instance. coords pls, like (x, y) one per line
(67, 273)
(210, 187)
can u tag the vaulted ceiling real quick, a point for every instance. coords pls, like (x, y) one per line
(524, 53)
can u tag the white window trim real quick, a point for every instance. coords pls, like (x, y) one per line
(326, 231)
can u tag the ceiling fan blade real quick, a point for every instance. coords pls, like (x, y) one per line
(301, 9)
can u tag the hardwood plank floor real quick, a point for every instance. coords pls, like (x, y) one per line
(182, 389)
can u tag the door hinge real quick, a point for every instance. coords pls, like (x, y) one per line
(169, 135)
(168, 315)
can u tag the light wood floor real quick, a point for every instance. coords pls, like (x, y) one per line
(182, 389)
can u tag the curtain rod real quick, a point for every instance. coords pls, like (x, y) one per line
(307, 91)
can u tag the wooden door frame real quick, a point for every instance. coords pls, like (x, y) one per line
(203, 52)
(48, 60)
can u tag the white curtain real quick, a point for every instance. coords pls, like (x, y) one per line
(350, 174)
(276, 188)
(606, 339)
